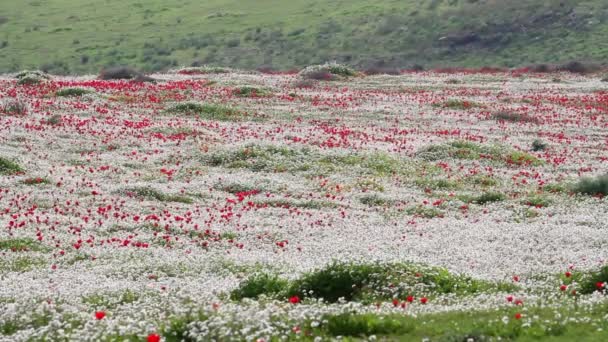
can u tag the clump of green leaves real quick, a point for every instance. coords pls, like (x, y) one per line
(207, 111)
(514, 117)
(597, 186)
(458, 104)
(538, 145)
(68, 92)
(9, 167)
(251, 92)
(13, 107)
(374, 200)
(327, 72)
(153, 194)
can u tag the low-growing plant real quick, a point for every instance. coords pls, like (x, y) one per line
(207, 111)
(13, 107)
(488, 197)
(522, 158)
(66, 92)
(425, 212)
(595, 281)
(35, 181)
(118, 73)
(251, 92)
(597, 186)
(374, 200)
(261, 284)
(457, 104)
(21, 245)
(327, 72)
(153, 194)
(514, 117)
(538, 145)
(9, 167)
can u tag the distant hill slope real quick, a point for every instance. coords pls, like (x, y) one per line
(79, 36)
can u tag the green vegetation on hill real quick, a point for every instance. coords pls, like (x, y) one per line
(77, 36)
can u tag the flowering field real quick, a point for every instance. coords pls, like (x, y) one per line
(245, 206)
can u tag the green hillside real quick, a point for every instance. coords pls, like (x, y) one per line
(77, 36)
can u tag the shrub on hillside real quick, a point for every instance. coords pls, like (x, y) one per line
(31, 77)
(597, 186)
(327, 72)
(118, 73)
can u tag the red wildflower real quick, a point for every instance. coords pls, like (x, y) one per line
(518, 316)
(563, 288)
(423, 300)
(100, 315)
(153, 338)
(294, 300)
(410, 298)
(600, 285)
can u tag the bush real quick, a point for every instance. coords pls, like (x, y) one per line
(488, 197)
(541, 68)
(597, 281)
(514, 117)
(13, 107)
(67, 92)
(260, 284)
(538, 145)
(32, 73)
(597, 186)
(8, 167)
(251, 92)
(207, 111)
(118, 73)
(327, 72)
(576, 67)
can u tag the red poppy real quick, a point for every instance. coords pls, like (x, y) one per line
(563, 288)
(153, 338)
(294, 300)
(423, 300)
(410, 298)
(518, 316)
(100, 315)
(599, 285)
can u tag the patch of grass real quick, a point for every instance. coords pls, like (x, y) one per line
(153, 194)
(21, 245)
(234, 188)
(207, 111)
(538, 145)
(363, 325)
(537, 201)
(327, 72)
(458, 104)
(595, 281)
(281, 203)
(112, 300)
(261, 284)
(488, 197)
(206, 69)
(35, 181)
(375, 200)
(68, 92)
(440, 183)
(8, 167)
(482, 180)
(522, 158)
(425, 212)
(251, 92)
(597, 186)
(20, 264)
(514, 117)
(13, 107)
(366, 283)
(460, 150)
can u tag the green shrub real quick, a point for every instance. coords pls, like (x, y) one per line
(8, 167)
(488, 197)
(596, 281)
(13, 107)
(65, 92)
(458, 104)
(153, 194)
(538, 145)
(261, 284)
(364, 325)
(514, 117)
(207, 111)
(251, 92)
(374, 200)
(593, 186)
(327, 72)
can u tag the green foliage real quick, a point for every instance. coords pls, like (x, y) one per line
(537, 201)
(595, 281)
(21, 244)
(13, 107)
(20, 264)
(251, 92)
(538, 145)
(458, 104)
(153, 194)
(364, 325)
(488, 197)
(8, 167)
(514, 117)
(374, 200)
(207, 111)
(426, 212)
(261, 284)
(327, 72)
(67, 92)
(365, 282)
(593, 186)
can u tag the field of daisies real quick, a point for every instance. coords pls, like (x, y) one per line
(208, 204)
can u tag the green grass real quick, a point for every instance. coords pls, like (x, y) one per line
(68, 92)
(207, 111)
(458, 104)
(21, 245)
(20, 264)
(153, 194)
(9, 167)
(251, 92)
(374, 200)
(467, 150)
(62, 36)
(592, 186)
(366, 282)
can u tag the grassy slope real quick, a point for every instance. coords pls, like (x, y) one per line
(156, 34)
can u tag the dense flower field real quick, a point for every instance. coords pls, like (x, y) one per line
(244, 206)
